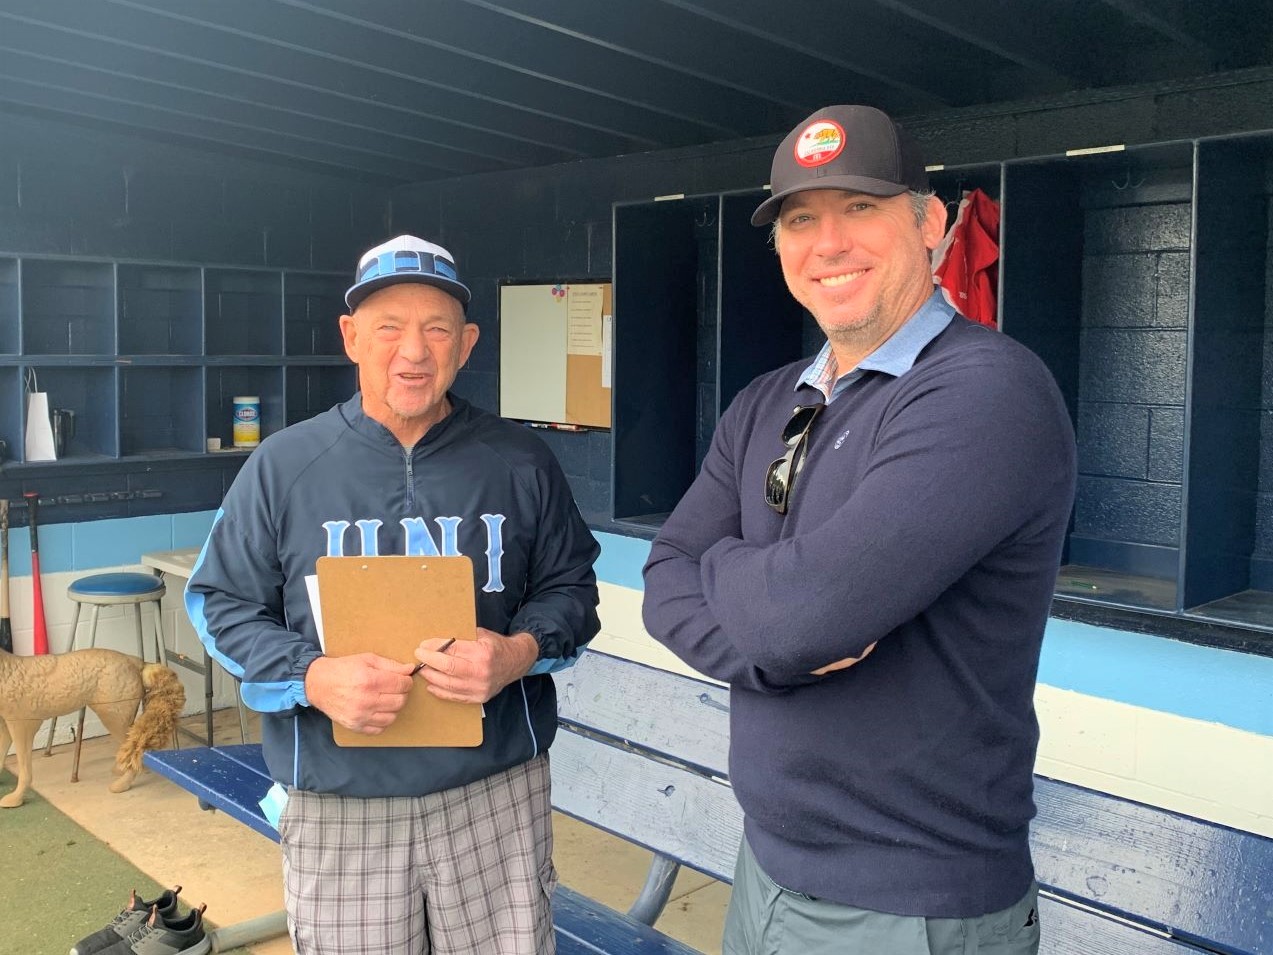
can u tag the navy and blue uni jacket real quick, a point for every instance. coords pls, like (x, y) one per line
(341, 485)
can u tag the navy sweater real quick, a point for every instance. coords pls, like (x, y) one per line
(929, 517)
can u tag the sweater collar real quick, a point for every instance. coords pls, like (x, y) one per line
(897, 354)
(358, 420)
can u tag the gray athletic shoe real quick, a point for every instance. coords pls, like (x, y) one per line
(161, 936)
(127, 922)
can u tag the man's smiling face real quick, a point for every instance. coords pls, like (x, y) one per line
(409, 340)
(860, 264)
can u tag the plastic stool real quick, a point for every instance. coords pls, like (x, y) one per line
(110, 590)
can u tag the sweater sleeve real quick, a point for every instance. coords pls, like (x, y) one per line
(560, 606)
(675, 608)
(970, 456)
(234, 599)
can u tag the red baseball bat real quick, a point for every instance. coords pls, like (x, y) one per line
(40, 644)
(6, 628)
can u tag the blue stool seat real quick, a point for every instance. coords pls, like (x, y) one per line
(115, 585)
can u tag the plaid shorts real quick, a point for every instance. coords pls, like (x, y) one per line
(463, 871)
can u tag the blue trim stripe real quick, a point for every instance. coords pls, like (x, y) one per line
(621, 559)
(273, 697)
(199, 620)
(1202, 683)
(552, 664)
(262, 697)
(116, 542)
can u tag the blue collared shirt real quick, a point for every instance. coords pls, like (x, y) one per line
(894, 357)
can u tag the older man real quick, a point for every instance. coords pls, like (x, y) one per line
(404, 850)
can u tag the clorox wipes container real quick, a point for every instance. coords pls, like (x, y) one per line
(247, 421)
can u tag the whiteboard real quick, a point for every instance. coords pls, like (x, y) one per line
(532, 367)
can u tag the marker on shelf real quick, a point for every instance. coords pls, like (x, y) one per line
(554, 426)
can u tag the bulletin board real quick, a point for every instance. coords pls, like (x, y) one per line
(555, 348)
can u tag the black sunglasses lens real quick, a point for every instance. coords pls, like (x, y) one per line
(776, 484)
(801, 418)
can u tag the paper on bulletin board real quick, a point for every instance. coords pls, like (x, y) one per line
(387, 605)
(583, 317)
(587, 387)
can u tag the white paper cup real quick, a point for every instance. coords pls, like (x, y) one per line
(214, 444)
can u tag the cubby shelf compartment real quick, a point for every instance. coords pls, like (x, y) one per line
(68, 307)
(160, 310)
(1228, 572)
(243, 312)
(90, 393)
(1096, 279)
(700, 310)
(223, 383)
(161, 410)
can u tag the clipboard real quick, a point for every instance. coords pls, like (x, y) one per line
(387, 605)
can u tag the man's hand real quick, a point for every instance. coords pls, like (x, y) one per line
(473, 671)
(362, 692)
(845, 663)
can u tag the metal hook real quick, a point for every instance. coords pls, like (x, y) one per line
(1127, 182)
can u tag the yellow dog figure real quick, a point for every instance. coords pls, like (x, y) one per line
(111, 684)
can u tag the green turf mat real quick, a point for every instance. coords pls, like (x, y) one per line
(60, 882)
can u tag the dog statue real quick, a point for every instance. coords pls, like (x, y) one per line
(111, 684)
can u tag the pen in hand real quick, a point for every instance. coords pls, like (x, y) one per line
(442, 649)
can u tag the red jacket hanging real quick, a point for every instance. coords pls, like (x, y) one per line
(966, 263)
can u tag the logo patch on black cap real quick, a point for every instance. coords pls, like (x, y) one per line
(819, 143)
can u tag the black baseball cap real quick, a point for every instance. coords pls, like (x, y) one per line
(406, 258)
(854, 148)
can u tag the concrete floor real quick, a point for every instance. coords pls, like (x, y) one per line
(160, 829)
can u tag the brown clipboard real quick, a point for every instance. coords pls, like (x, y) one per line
(387, 605)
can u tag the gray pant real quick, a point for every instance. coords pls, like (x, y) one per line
(766, 919)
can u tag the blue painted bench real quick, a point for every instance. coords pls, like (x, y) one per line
(642, 754)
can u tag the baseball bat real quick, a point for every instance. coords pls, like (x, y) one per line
(40, 644)
(6, 628)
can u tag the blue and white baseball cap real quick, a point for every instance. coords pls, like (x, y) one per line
(406, 259)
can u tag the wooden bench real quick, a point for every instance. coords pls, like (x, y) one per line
(642, 754)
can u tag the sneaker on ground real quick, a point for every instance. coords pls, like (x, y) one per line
(182, 935)
(129, 920)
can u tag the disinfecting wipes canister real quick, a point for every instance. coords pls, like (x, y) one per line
(247, 421)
